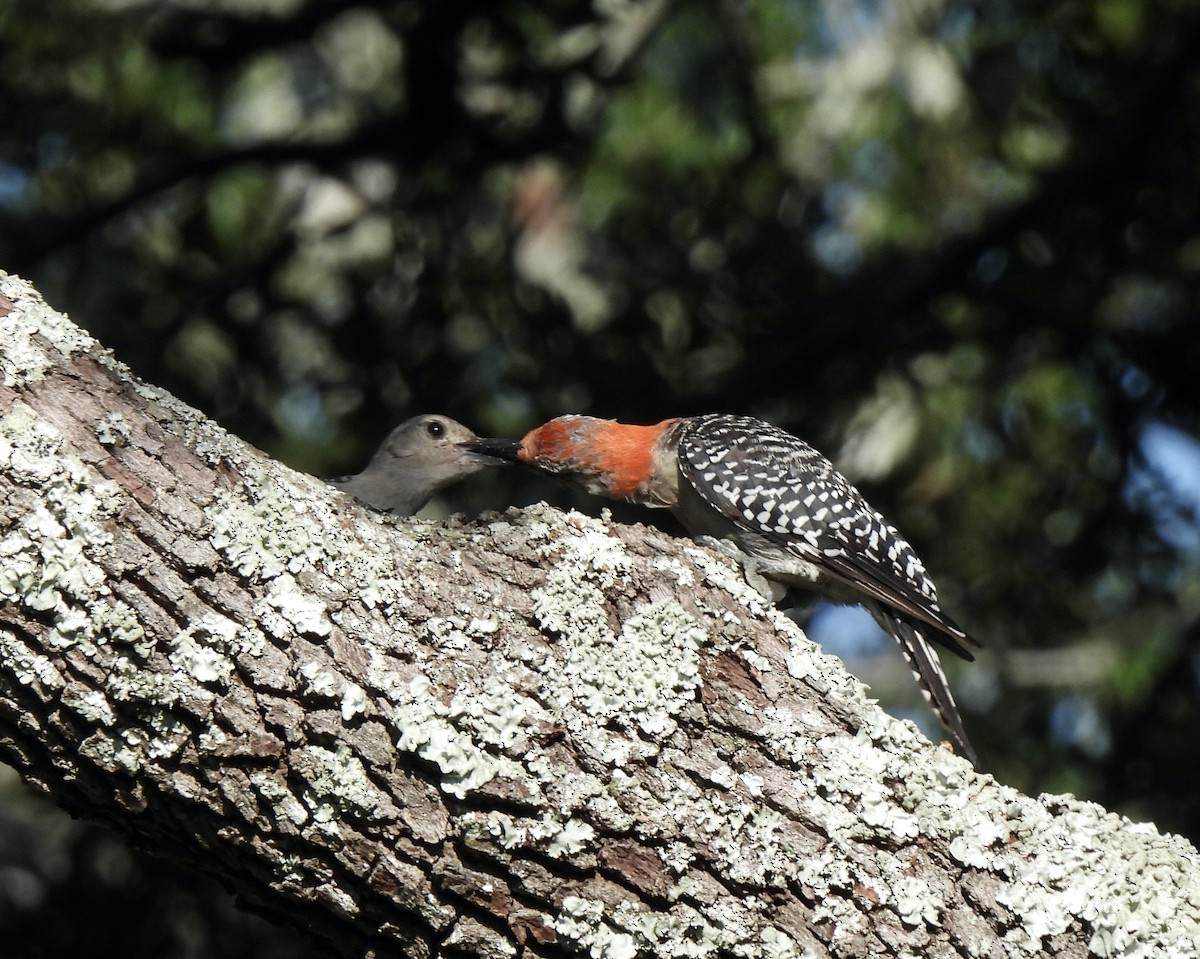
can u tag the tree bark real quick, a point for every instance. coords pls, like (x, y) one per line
(533, 734)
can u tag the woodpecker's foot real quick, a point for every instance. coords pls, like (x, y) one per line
(751, 569)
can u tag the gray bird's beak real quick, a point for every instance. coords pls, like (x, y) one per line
(492, 452)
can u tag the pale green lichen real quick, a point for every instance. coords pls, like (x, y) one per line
(276, 794)
(113, 430)
(726, 927)
(205, 661)
(508, 832)
(213, 738)
(731, 921)
(72, 628)
(228, 636)
(27, 666)
(641, 677)
(548, 834)
(777, 944)
(760, 663)
(1061, 862)
(746, 836)
(572, 608)
(722, 776)
(354, 702)
(448, 633)
(170, 733)
(129, 748)
(601, 805)
(578, 790)
(826, 674)
(129, 682)
(428, 728)
(915, 902)
(27, 328)
(338, 784)
(101, 748)
(497, 714)
(114, 623)
(754, 784)
(44, 569)
(581, 920)
(571, 839)
(683, 933)
(1137, 891)
(471, 937)
(380, 592)
(48, 560)
(93, 706)
(322, 679)
(602, 557)
(723, 573)
(256, 526)
(827, 873)
(676, 856)
(45, 559)
(684, 577)
(483, 625)
(287, 610)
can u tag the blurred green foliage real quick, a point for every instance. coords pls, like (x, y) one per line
(956, 245)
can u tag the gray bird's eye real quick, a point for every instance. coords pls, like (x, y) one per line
(435, 429)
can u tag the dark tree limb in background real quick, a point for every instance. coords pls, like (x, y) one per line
(221, 40)
(433, 128)
(409, 141)
(1106, 167)
(537, 734)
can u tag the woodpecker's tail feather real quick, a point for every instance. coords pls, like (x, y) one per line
(927, 669)
(891, 591)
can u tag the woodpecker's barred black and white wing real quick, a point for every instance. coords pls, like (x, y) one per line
(776, 486)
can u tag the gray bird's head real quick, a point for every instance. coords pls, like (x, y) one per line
(418, 458)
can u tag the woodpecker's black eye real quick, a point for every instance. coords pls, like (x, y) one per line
(435, 429)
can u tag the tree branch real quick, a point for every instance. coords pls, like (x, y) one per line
(535, 734)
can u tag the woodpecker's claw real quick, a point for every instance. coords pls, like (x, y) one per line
(493, 452)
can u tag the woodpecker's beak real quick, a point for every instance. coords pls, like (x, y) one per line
(492, 452)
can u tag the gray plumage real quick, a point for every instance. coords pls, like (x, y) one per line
(419, 457)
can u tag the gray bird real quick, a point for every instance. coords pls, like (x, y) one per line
(419, 457)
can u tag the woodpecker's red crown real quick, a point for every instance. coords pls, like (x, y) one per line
(614, 459)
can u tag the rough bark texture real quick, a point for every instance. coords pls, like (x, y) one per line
(534, 734)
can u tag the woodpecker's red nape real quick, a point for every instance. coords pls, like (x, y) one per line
(621, 457)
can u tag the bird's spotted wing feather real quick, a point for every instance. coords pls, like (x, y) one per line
(772, 483)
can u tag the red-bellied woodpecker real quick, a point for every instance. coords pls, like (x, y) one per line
(421, 456)
(793, 518)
